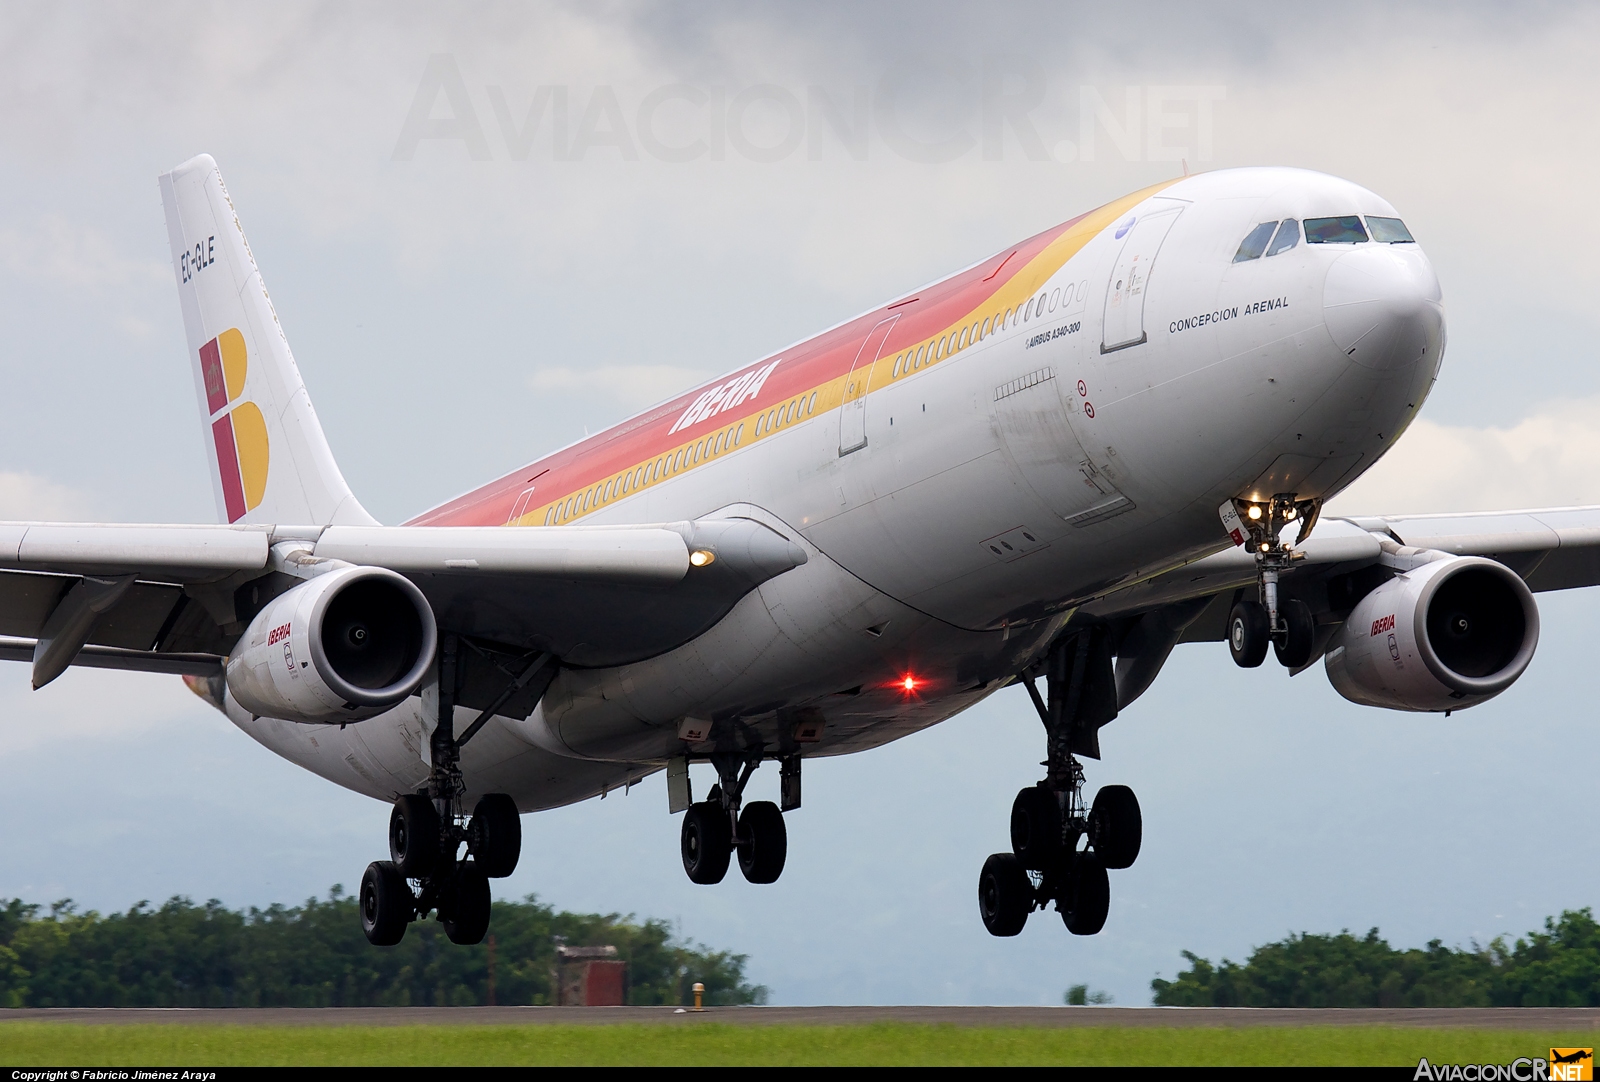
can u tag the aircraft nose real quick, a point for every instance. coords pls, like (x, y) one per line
(1383, 306)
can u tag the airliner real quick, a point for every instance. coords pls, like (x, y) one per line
(1049, 469)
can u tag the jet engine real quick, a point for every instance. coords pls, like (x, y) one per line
(1444, 636)
(344, 646)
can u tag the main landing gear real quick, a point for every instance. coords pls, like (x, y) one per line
(1061, 847)
(716, 828)
(426, 834)
(1285, 624)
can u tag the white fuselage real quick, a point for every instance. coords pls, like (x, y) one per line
(1055, 460)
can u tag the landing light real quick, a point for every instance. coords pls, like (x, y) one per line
(1265, 546)
(1255, 512)
(701, 557)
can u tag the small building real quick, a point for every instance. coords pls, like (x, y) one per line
(589, 977)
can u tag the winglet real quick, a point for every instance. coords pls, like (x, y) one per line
(270, 462)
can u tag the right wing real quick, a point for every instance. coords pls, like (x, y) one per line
(177, 598)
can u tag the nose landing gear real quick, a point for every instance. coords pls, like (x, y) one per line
(1051, 820)
(426, 834)
(1286, 624)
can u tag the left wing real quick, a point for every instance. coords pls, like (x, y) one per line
(1550, 549)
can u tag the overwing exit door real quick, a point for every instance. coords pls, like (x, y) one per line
(1124, 322)
(853, 410)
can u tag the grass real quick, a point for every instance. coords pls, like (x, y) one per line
(66, 1044)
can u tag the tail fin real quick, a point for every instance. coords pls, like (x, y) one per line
(270, 462)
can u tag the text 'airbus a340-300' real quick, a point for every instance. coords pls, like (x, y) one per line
(1048, 468)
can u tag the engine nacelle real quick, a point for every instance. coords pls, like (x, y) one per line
(1450, 634)
(344, 646)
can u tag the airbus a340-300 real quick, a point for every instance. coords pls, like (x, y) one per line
(1048, 468)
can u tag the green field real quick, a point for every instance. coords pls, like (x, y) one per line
(58, 1044)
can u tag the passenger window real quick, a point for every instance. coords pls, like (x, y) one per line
(738, 437)
(1027, 313)
(1389, 231)
(961, 341)
(1066, 295)
(1288, 236)
(1055, 295)
(985, 332)
(1344, 230)
(812, 404)
(1256, 243)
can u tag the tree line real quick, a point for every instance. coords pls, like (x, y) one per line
(1558, 967)
(313, 955)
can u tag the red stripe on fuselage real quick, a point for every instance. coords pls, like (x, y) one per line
(803, 368)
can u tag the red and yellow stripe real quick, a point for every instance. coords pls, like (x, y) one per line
(807, 381)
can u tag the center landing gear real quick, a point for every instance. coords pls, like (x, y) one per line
(426, 834)
(715, 829)
(1285, 624)
(1061, 847)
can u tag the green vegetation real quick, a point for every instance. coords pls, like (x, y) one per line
(1080, 996)
(711, 1044)
(1559, 967)
(314, 955)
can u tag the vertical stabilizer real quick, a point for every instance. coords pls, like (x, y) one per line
(270, 462)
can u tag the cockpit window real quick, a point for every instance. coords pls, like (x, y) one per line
(1288, 236)
(1255, 243)
(1389, 231)
(1346, 230)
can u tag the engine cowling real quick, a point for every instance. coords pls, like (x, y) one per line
(344, 646)
(1447, 635)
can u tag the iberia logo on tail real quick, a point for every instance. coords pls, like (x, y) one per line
(240, 433)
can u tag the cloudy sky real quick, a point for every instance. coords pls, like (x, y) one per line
(490, 230)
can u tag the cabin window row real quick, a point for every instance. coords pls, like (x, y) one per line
(954, 342)
(668, 465)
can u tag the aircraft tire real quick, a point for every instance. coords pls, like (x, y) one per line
(496, 835)
(766, 842)
(387, 904)
(1248, 634)
(1087, 899)
(1036, 828)
(705, 842)
(464, 905)
(1116, 827)
(414, 836)
(1295, 650)
(1005, 896)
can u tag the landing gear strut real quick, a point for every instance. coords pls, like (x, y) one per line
(716, 828)
(1050, 820)
(1286, 624)
(427, 831)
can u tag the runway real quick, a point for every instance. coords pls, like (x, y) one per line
(1520, 1018)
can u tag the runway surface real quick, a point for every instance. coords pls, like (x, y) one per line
(1524, 1018)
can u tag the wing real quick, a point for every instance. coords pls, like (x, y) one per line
(1551, 549)
(175, 599)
